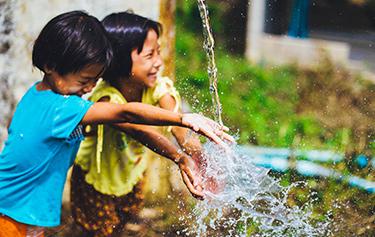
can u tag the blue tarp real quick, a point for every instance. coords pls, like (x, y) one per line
(298, 26)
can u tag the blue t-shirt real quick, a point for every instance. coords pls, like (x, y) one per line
(43, 140)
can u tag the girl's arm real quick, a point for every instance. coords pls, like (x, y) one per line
(192, 146)
(187, 140)
(161, 145)
(105, 112)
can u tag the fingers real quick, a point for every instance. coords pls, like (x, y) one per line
(208, 128)
(224, 128)
(189, 174)
(195, 191)
(228, 137)
(214, 138)
(225, 136)
(192, 172)
(195, 127)
(220, 130)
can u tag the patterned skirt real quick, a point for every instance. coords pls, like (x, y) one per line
(100, 214)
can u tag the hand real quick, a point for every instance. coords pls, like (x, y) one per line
(208, 183)
(190, 176)
(208, 128)
(200, 161)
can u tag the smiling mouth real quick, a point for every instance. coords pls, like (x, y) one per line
(152, 75)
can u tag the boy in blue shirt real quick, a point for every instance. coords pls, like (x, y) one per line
(73, 52)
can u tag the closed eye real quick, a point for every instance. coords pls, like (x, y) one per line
(86, 80)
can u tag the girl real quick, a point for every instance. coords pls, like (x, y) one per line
(43, 138)
(110, 165)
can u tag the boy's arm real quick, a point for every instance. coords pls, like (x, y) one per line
(104, 112)
(161, 145)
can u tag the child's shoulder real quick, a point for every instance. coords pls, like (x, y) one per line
(46, 96)
(164, 85)
(104, 89)
(164, 80)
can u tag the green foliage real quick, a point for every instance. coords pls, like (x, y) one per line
(258, 101)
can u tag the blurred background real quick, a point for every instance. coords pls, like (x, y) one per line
(296, 82)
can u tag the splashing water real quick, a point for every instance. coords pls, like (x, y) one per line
(209, 44)
(249, 201)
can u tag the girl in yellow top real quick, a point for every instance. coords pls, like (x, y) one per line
(107, 177)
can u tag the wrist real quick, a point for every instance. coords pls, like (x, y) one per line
(181, 119)
(179, 157)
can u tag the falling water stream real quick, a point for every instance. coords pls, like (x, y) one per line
(248, 202)
(209, 45)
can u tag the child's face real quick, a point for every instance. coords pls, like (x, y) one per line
(147, 63)
(78, 83)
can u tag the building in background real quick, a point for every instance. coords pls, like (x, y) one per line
(300, 31)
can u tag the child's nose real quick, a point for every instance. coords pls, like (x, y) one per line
(89, 88)
(158, 62)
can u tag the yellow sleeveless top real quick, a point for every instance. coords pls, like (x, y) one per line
(113, 161)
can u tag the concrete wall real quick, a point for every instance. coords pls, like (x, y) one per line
(279, 50)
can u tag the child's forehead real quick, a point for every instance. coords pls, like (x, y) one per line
(150, 47)
(151, 41)
(152, 36)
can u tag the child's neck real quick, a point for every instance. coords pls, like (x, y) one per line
(45, 84)
(131, 90)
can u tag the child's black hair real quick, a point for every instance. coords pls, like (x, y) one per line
(126, 31)
(70, 42)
